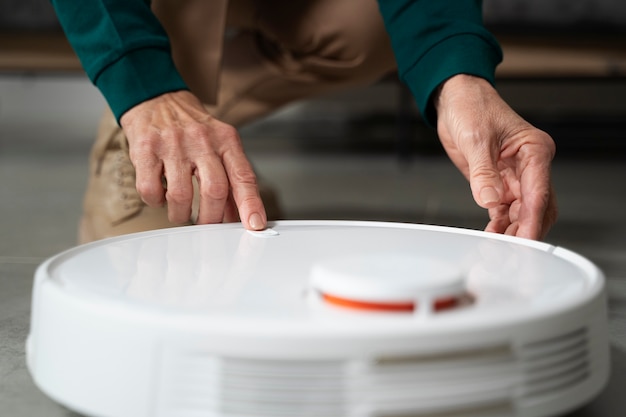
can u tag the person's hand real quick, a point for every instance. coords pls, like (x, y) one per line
(506, 160)
(172, 138)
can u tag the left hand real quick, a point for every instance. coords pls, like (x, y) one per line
(506, 160)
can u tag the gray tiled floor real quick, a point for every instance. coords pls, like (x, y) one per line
(43, 180)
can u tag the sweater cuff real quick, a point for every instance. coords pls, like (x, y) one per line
(136, 77)
(459, 54)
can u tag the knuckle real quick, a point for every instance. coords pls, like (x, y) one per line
(143, 154)
(244, 175)
(207, 140)
(229, 136)
(150, 194)
(147, 189)
(484, 173)
(141, 157)
(215, 190)
(227, 130)
(179, 195)
(198, 130)
(143, 143)
(252, 202)
(549, 144)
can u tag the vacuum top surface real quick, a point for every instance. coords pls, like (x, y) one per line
(319, 318)
(293, 273)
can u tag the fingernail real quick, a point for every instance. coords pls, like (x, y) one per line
(256, 222)
(489, 195)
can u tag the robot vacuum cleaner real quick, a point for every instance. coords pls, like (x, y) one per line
(319, 319)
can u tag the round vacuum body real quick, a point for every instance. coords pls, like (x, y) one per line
(319, 318)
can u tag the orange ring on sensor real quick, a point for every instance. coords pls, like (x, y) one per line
(447, 303)
(366, 305)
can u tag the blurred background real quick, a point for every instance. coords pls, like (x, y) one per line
(364, 154)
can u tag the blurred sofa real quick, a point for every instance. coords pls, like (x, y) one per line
(27, 15)
(562, 58)
(540, 37)
(573, 17)
(517, 15)
(559, 38)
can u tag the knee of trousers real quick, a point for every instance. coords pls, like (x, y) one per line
(343, 47)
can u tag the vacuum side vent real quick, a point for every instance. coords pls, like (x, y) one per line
(483, 381)
(555, 364)
(194, 385)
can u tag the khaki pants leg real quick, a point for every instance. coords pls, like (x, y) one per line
(289, 50)
(280, 51)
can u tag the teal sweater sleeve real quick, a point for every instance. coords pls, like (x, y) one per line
(122, 47)
(126, 52)
(434, 40)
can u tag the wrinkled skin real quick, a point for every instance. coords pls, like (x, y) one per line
(505, 159)
(172, 138)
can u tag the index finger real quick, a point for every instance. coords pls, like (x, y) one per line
(245, 189)
(537, 197)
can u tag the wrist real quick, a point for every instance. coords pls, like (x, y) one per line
(458, 86)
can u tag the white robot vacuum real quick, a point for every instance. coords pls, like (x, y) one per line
(319, 319)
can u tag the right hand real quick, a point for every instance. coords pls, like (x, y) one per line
(506, 160)
(173, 137)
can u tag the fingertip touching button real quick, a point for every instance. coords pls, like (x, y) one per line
(269, 232)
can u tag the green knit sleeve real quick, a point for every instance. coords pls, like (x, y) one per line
(434, 40)
(122, 47)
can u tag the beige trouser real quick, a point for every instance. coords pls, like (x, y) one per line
(274, 52)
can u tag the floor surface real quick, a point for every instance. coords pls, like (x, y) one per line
(323, 175)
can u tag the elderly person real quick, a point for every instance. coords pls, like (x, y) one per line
(180, 76)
